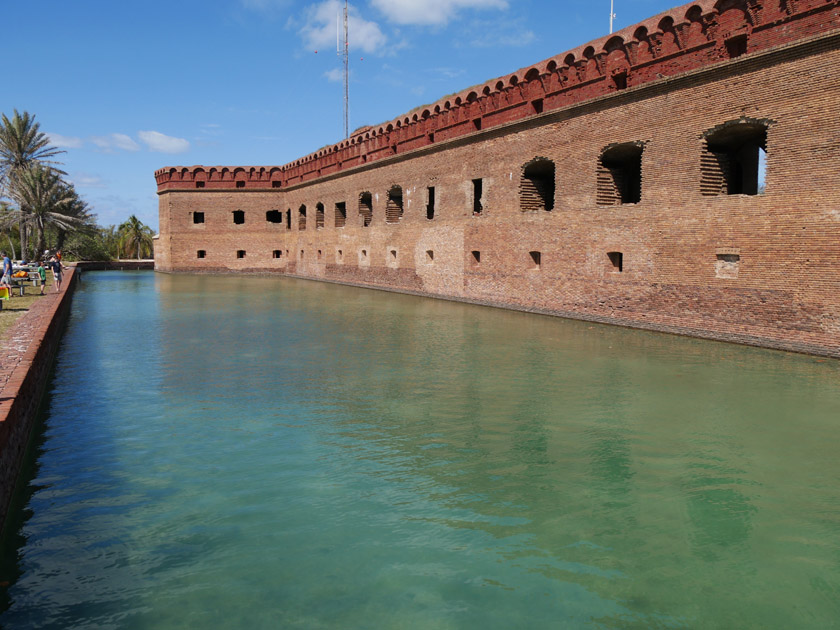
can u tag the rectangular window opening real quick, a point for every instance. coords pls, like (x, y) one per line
(537, 106)
(476, 256)
(430, 204)
(201, 254)
(239, 217)
(734, 160)
(277, 253)
(431, 137)
(736, 46)
(394, 207)
(477, 124)
(274, 216)
(199, 184)
(340, 214)
(478, 191)
(727, 266)
(366, 208)
(240, 184)
(240, 253)
(276, 184)
(536, 259)
(620, 81)
(616, 260)
(198, 217)
(619, 175)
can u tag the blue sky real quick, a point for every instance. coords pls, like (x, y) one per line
(129, 87)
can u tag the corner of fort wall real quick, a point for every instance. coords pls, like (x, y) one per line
(618, 182)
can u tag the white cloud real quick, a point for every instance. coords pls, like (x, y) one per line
(430, 12)
(336, 75)
(157, 141)
(493, 34)
(65, 142)
(114, 141)
(319, 30)
(83, 180)
(264, 6)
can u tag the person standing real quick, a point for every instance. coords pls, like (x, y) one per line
(42, 273)
(56, 267)
(6, 280)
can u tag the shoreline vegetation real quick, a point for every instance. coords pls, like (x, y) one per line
(42, 213)
(40, 209)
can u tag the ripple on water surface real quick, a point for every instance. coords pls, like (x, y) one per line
(259, 452)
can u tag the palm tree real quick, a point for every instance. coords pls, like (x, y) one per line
(6, 222)
(135, 235)
(43, 199)
(22, 144)
(79, 209)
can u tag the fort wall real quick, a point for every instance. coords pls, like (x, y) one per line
(677, 176)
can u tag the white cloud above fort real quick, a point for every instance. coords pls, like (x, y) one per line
(157, 141)
(430, 12)
(319, 28)
(115, 142)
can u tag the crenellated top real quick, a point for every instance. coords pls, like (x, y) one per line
(672, 43)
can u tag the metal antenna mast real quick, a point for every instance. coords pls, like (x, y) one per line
(612, 15)
(345, 54)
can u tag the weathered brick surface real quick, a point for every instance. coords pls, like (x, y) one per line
(761, 269)
(29, 349)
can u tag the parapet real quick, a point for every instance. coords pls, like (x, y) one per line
(672, 43)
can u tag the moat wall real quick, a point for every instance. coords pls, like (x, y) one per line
(609, 184)
(29, 351)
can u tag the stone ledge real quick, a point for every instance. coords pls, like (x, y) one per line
(29, 349)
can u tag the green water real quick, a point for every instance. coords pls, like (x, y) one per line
(271, 453)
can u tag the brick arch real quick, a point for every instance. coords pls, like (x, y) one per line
(532, 75)
(614, 43)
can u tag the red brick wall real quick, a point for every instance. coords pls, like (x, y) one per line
(676, 244)
(29, 349)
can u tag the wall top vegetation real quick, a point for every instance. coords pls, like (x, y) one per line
(674, 42)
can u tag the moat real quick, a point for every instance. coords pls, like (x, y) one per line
(258, 452)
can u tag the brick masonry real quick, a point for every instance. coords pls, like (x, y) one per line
(29, 350)
(685, 257)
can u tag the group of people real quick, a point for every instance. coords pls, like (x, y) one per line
(54, 264)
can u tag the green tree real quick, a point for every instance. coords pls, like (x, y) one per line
(44, 199)
(7, 220)
(135, 236)
(79, 209)
(22, 145)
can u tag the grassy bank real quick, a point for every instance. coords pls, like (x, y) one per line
(18, 306)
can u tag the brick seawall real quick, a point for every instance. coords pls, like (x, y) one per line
(115, 265)
(29, 349)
